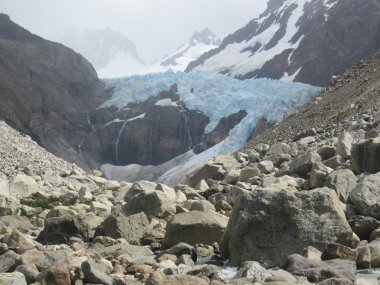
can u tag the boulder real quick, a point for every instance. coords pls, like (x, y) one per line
(159, 278)
(344, 145)
(93, 274)
(45, 259)
(363, 259)
(343, 181)
(199, 205)
(365, 156)
(8, 261)
(30, 272)
(278, 153)
(119, 225)
(194, 227)
(22, 186)
(374, 247)
(363, 226)
(248, 172)
(209, 171)
(58, 274)
(366, 196)
(338, 251)
(17, 240)
(252, 269)
(4, 187)
(14, 278)
(303, 164)
(334, 162)
(267, 226)
(159, 202)
(326, 152)
(317, 271)
(318, 175)
(59, 230)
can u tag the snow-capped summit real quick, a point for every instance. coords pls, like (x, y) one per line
(110, 52)
(298, 40)
(206, 37)
(199, 43)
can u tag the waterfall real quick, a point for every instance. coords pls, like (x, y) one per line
(187, 140)
(80, 146)
(90, 124)
(117, 141)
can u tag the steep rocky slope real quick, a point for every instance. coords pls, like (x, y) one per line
(306, 41)
(45, 89)
(356, 91)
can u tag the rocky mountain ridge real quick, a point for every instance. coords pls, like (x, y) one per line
(306, 41)
(46, 89)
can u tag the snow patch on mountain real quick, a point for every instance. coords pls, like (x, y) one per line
(237, 58)
(217, 96)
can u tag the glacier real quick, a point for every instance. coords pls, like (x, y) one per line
(217, 96)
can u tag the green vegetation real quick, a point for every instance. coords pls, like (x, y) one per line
(37, 200)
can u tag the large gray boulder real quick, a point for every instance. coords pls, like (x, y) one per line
(22, 186)
(365, 156)
(303, 164)
(343, 181)
(194, 227)
(93, 274)
(8, 261)
(278, 153)
(119, 225)
(267, 226)
(159, 202)
(344, 145)
(366, 196)
(14, 278)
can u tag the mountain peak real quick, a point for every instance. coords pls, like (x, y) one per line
(206, 36)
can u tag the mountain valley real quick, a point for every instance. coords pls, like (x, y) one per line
(249, 160)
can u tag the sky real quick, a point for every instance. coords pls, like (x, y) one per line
(157, 27)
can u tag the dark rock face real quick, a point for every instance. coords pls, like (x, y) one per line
(331, 39)
(46, 89)
(145, 133)
(151, 132)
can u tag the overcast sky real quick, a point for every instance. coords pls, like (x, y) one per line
(157, 27)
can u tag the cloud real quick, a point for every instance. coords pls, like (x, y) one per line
(156, 26)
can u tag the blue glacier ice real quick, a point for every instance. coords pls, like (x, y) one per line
(217, 96)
